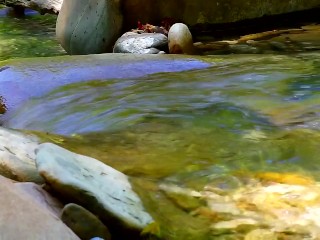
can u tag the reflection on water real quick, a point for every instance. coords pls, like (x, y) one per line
(29, 36)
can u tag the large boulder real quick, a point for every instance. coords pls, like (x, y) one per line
(88, 26)
(22, 217)
(97, 187)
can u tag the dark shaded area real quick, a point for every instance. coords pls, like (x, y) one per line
(3, 107)
(249, 26)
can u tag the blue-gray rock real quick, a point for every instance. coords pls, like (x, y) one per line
(99, 188)
(88, 26)
(145, 43)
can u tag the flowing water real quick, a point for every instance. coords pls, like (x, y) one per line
(243, 115)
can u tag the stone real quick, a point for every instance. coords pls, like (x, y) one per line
(145, 43)
(88, 26)
(180, 40)
(82, 222)
(41, 197)
(17, 156)
(97, 187)
(21, 217)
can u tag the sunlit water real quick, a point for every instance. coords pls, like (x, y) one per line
(245, 114)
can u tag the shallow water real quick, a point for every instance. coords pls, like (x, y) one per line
(243, 115)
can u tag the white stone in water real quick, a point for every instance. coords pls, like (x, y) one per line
(17, 156)
(180, 39)
(103, 190)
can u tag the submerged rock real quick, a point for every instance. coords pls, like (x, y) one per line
(82, 222)
(17, 156)
(88, 27)
(99, 188)
(144, 43)
(261, 234)
(266, 207)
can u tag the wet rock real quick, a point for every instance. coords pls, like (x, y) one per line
(145, 43)
(88, 27)
(99, 188)
(17, 156)
(22, 217)
(184, 198)
(180, 40)
(83, 223)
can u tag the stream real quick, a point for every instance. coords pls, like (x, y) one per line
(242, 115)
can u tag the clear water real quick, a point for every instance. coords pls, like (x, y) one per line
(245, 114)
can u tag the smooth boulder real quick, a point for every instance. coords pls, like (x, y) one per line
(180, 40)
(17, 156)
(88, 26)
(22, 217)
(99, 188)
(145, 43)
